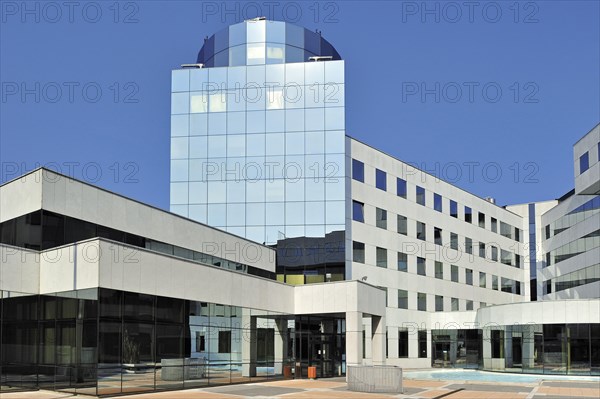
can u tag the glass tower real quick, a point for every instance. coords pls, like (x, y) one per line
(258, 144)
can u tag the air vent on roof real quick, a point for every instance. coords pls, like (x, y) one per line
(321, 58)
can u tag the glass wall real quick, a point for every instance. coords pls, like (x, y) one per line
(544, 349)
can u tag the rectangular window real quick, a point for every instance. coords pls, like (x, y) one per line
(402, 225)
(422, 343)
(584, 162)
(200, 342)
(403, 343)
(547, 231)
(454, 241)
(469, 304)
(358, 211)
(420, 195)
(437, 202)
(454, 304)
(506, 257)
(358, 252)
(517, 234)
(358, 171)
(453, 209)
(497, 341)
(494, 225)
(437, 235)
(401, 187)
(494, 253)
(381, 218)
(482, 280)
(468, 245)
(505, 230)
(381, 257)
(420, 266)
(469, 276)
(402, 262)
(454, 273)
(439, 270)
(402, 299)
(517, 260)
(482, 304)
(421, 301)
(439, 303)
(468, 215)
(495, 283)
(421, 231)
(482, 250)
(481, 219)
(224, 341)
(380, 179)
(548, 259)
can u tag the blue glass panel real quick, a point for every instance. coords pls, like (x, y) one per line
(314, 72)
(315, 213)
(255, 144)
(237, 34)
(217, 192)
(256, 76)
(294, 190)
(198, 192)
(275, 144)
(198, 213)
(276, 31)
(401, 187)
(198, 79)
(335, 141)
(217, 78)
(275, 121)
(255, 121)
(180, 210)
(294, 120)
(294, 35)
(221, 40)
(217, 123)
(179, 125)
(275, 74)
(256, 31)
(198, 147)
(315, 141)
(236, 122)
(294, 95)
(294, 168)
(180, 103)
(274, 167)
(237, 55)
(255, 190)
(294, 54)
(334, 95)
(217, 215)
(179, 148)
(255, 99)
(314, 189)
(255, 53)
(584, 162)
(315, 166)
(358, 212)
(236, 145)
(335, 118)
(335, 212)
(335, 165)
(236, 78)
(294, 213)
(217, 146)
(198, 124)
(255, 214)
(334, 72)
(275, 53)
(312, 42)
(179, 170)
(222, 58)
(179, 193)
(335, 189)
(294, 74)
(255, 233)
(180, 80)
(198, 169)
(294, 143)
(274, 190)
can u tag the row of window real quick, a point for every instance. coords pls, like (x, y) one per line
(504, 229)
(580, 277)
(485, 251)
(577, 215)
(573, 248)
(439, 302)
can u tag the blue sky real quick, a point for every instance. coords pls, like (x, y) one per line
(490, 96)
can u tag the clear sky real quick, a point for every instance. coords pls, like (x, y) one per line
(489, 95)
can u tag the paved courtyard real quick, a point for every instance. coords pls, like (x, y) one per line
(336, 388)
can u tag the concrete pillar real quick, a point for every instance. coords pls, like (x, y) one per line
(378, 340)
(354, 328)
(249, 344)
(528, 346)
(392, 342)
(281, 344)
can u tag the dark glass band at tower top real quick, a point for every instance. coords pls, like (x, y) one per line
(259, 42)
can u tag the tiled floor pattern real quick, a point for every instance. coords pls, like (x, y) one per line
(336, 388)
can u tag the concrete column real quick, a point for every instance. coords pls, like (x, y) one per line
(378, 341)
(281, 344)
(392, 342)
(249, 344)
(354, 330)
(528, 346)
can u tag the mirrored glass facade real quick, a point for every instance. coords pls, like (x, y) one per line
(258, 146)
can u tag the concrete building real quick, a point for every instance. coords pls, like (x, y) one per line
(290, 244)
